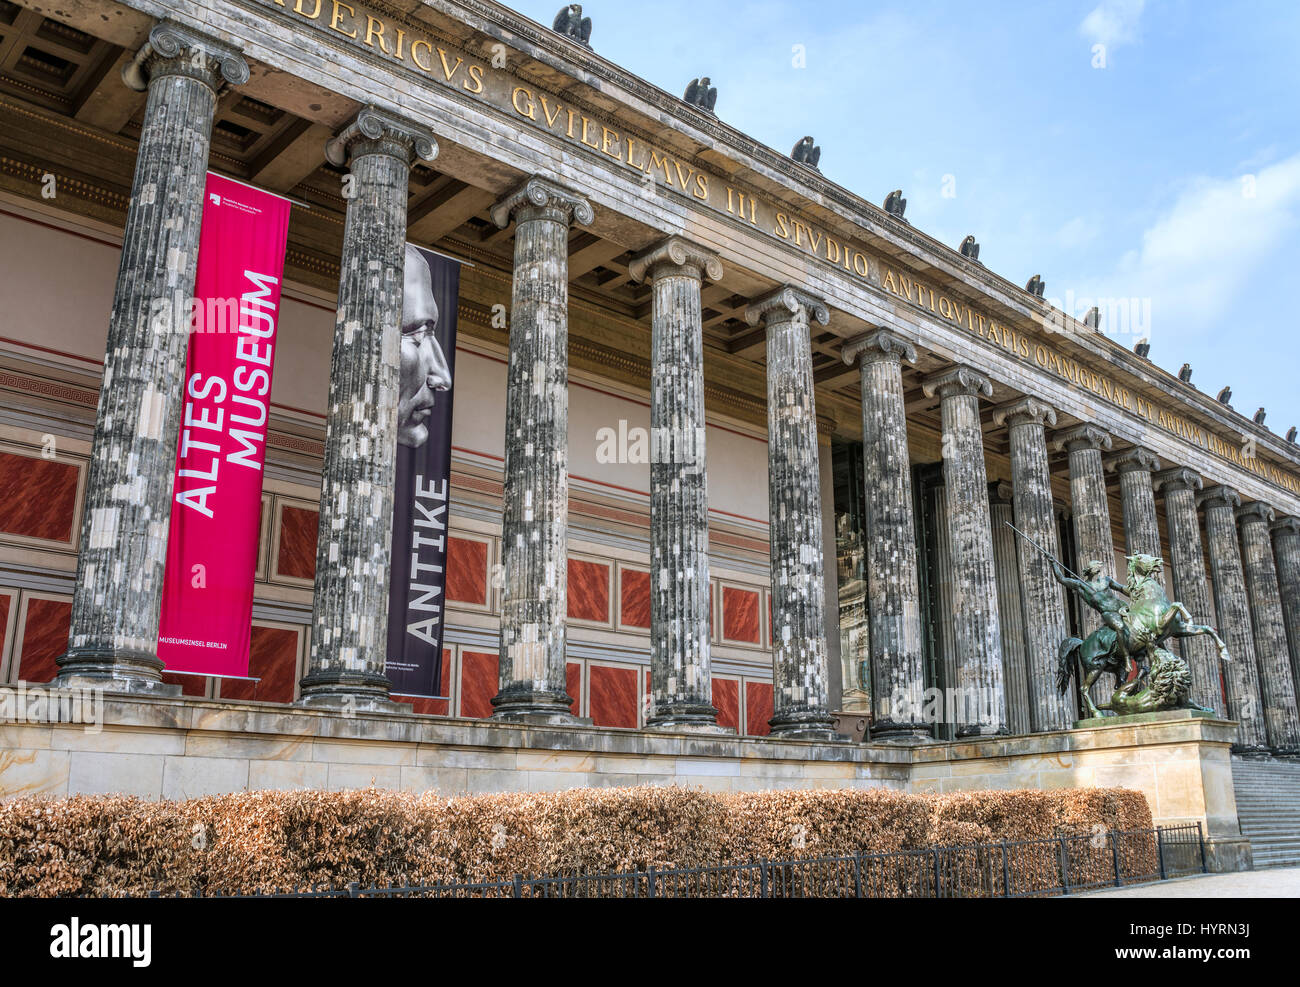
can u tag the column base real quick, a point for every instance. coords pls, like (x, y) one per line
(359, 692)
(135, 672)
(815, 725)
(685, 717)
(902, 734)
(536, 708)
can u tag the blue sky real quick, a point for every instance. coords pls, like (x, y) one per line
(1170, 176)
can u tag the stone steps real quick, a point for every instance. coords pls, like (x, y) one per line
(1268, 809)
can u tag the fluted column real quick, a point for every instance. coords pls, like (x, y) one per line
(1141, 528)
(1041, 595)
(680, 675)
(1180, 485)
(1232, 610)
(976, 627)
(1011, 613)
(801, 695)
(1091, 519)
(535, 514)
(1286, 550)
(893, 608)
(354, 544)
(113, 636)
(1276, 687)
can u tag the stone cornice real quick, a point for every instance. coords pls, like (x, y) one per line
(170, 50)
(877, 346)
(538, 192)
(1083, 436)
(799, 305)
(1177, 478)
(374, 124)
(1026, 410)
(958, 379)
(1219, 495)
(1135, 458)
(675, 255)
(1256, 510)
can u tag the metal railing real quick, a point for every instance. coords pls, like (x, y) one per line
(1009, 869)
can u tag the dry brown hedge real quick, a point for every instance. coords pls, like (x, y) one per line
(259, 841)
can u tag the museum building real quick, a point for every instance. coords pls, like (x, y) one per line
(632, 267)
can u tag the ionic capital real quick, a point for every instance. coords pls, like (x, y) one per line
(1083, 436)
(1136, 458)
(1177, 478)
(173, 49)
(675, 256)
(377, 131)
(1025, 410)
(1256, 510)
(788, 304)
(878, 346)
(958, 379)
(1219, 496)
(543, 194)
(1286, 525)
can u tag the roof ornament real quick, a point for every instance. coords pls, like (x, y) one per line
(806, 153)
(570, 22)
(970, 249)
(1036, 286)
(1225, 396)
(1142, 348)
(1185, 373)
(1259, 416)
(1093, 318)
(700, 93)
(895, 204)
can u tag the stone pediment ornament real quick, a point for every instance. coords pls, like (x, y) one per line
(374, 124)
(677, 252)
(1083, 436)
(168, 41)
(541, 193)
(788, 299)
(957, 380)
(877, 345)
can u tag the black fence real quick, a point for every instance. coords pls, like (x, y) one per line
(1011, 869)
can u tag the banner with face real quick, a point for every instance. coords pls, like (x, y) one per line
(421, 501)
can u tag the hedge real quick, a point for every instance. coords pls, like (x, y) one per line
(267, 840)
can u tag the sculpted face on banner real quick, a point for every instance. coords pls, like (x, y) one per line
(424, 366)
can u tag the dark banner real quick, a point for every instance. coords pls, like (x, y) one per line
(421, 500)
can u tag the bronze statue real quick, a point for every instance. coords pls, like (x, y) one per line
(1185, 374)
(1137, 617)
(1225, 396)
(570, 22)
(700, 93)
(1128, 642)
(1259, 416)
(1036, 286)
(1142, 348)
(895, 204)
(969, 248)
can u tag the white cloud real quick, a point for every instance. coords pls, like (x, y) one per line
(1198, 257)
(1113, 22)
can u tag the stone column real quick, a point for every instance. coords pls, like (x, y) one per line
(113, 638)
(893, 597)
(1141, 528)
(976, 628)
(1011, 614)
(1286, 548)
(349, 640)
(1091, 519)
(1277, 690)
(534, 527)
(1233, 613)
(680, 674)
(1180, 486)
(801, 697)
(1041, 595)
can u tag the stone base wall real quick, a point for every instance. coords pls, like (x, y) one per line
(181, 748)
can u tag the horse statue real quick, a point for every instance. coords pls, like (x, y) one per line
(1128, 644)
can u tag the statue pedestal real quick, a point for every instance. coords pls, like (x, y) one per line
(1179, 759)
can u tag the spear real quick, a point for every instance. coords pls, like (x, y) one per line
(1044, 551)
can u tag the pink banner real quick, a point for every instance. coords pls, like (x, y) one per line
(207, 607)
